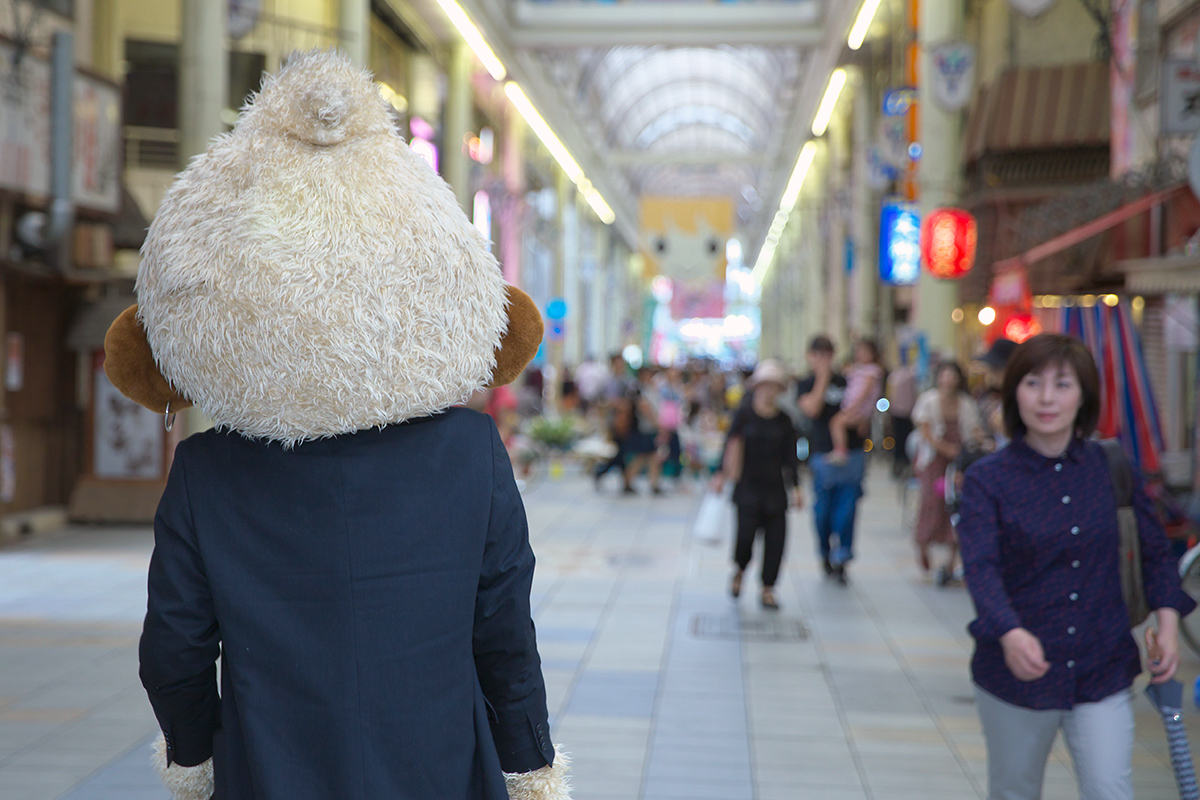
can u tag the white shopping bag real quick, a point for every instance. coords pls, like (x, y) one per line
(715, 518)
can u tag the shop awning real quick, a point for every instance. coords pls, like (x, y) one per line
(1164, 275)
(1040, 108)
(1082, 233)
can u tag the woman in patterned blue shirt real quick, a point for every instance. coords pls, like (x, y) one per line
(1038, 531)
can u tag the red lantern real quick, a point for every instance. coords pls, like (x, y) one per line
(948, 239)
(1021, 326)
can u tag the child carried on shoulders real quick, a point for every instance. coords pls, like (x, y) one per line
(864, 387)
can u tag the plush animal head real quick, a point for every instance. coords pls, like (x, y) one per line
(310, 275)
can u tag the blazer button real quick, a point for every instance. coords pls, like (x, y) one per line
(1066, 499)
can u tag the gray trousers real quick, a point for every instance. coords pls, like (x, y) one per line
(1099, 737)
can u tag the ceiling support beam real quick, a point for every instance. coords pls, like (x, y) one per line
(643, 158)
(570, 25)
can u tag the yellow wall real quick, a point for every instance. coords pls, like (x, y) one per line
(151, 20)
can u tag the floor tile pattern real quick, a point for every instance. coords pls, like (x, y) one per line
(659, 684)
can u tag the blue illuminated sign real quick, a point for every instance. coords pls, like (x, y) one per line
(899, 244)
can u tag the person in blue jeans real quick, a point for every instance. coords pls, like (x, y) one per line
(837, 487)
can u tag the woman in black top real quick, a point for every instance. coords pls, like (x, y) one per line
(760, 457)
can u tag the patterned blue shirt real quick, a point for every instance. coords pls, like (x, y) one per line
(1039, 545)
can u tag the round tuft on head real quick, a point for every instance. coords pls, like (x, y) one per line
(319, 97)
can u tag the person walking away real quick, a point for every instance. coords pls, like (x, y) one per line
(1039, 535)
(864, 385)
(948, 420)
(902, 396)
(760, 458)
(641, 445)
(836, 487)
(618, 412)
(671, 394)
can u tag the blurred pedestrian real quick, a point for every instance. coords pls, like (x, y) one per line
(991, 407)
(1040, 545)
(760, 458)
(902, 396)
(836, 487)
(948, 420)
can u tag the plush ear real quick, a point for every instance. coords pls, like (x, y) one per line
(129, 364)
(520, 343)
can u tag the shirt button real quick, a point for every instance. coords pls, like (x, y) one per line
(1074, 596)
(1074, 565)
(1058, 467)
(1070, 665)
(1071, 630)
(1066, 499)
(1075, 531)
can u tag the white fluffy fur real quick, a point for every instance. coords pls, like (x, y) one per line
(309, 275)
(547, 783)
(184, 783)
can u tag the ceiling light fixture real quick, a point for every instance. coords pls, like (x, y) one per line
(473, 38)
(825, 112)
(786, 204)
(792, 193)
(559, 150)
(866, 15)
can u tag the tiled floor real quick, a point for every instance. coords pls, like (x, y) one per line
(660, 686)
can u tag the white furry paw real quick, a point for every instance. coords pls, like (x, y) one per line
(547, 783)
(184, 783)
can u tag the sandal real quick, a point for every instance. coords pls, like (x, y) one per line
(768, 599)
(735, 585)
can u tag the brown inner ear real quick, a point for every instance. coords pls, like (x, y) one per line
(129, 364)
(520, 343)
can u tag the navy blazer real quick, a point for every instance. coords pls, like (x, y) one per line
(368, 596)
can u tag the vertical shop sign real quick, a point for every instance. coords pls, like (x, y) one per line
(899, 244)
(14, 362)
(8, 465)
(1180, 96)
(128, 441)
(1121, 78)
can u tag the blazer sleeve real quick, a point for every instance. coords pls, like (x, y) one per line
(180, 639)
(505, 645)
(1160, 569)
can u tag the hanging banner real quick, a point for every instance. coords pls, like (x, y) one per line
(1032, 8)
(899, 244)
(953, 75)
(1180, 96)
(684, 239)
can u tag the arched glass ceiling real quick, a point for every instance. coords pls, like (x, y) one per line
(668, 116)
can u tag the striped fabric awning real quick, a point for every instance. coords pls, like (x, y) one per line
(1040, 108)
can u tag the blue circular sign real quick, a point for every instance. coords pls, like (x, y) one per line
(556, 308)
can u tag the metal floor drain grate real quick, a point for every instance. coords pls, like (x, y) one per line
(763, 629)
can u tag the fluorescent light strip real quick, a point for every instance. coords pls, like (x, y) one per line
(790, 195)
(862, 23)
(557, 149)
(792, 192)
(836, 81)
(473, 38)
